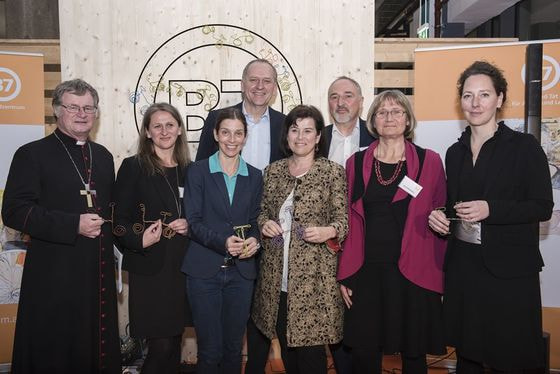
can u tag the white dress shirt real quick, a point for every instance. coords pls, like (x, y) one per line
(257, 147)
(342, 147)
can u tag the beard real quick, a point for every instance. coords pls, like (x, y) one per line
(342, 117)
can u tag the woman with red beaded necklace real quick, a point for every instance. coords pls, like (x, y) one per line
(390, 269)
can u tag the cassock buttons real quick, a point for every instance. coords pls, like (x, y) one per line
(102, 315)
(103, 289)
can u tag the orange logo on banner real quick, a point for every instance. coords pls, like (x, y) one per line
(21, 89)
(448, 64)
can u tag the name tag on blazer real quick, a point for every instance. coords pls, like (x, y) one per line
(181, 192)
(410, 186)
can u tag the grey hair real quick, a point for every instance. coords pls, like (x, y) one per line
(77, 87)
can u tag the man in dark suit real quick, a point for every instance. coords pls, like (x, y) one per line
(348, 133)
(258, 88)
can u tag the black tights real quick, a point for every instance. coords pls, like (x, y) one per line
(366, 360)
(164, 356)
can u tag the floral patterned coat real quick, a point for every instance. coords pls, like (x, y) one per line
(315, 307)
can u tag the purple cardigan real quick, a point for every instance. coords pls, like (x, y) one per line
(422, 251)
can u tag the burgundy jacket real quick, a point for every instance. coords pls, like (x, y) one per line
(422, 251)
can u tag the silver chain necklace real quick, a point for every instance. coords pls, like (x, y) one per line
(87, 192)
(177, 201)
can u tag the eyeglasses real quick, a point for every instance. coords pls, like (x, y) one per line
(88, 109)
(395, 113)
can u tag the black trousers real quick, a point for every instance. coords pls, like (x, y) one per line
(298, 360)
(258, 347)
(368, 360)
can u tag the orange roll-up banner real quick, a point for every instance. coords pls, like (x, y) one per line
(22, 116)
(440, 123)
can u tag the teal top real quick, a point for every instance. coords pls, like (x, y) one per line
(215, 167)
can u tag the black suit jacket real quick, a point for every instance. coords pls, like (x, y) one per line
(207, 145)
(211, 218)
(519, 194)
(365, 137)
(134, 187)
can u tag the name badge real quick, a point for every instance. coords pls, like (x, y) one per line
(181, 191)
(410, 186)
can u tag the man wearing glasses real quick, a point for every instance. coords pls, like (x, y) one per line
(58, 192)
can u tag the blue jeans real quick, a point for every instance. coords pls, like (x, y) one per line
(220, 308)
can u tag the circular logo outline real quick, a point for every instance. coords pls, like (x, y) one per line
(17, 90)
(139, 90)
(556, 77)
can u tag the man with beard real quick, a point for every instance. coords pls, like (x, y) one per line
(349, 133)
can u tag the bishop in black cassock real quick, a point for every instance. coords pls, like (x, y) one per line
(59, 192)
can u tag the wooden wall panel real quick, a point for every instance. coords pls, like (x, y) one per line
(108, 44)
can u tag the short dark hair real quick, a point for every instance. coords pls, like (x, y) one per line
(495, 74)
(146, 154)
(230, 113)
(300, 112)
(77, 87)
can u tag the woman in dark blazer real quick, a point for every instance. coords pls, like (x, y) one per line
(499, 190)
(223, 195)
(151, 230)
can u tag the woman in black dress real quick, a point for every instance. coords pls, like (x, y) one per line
(391, 267)
(499, 189)
(151, 230)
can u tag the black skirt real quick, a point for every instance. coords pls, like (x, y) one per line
(158, 305)
(488, 319)
(391, 313)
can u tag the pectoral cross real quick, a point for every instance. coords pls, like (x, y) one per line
(88, 194)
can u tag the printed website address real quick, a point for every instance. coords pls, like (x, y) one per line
(7, 320)
(12, 107)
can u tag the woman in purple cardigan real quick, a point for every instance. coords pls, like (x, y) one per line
(390, 269)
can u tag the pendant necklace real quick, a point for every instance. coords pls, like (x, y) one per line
(177, 201)
(87, 192)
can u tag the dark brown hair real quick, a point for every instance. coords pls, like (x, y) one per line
(491, 71)
(300, 112)
(147, 156)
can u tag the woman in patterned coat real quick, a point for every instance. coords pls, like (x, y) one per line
(303, 218)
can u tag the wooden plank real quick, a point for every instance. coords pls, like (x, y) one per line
(52, 79)
(394, 78)
(402, 49)
(48, 107)
(50, 48)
